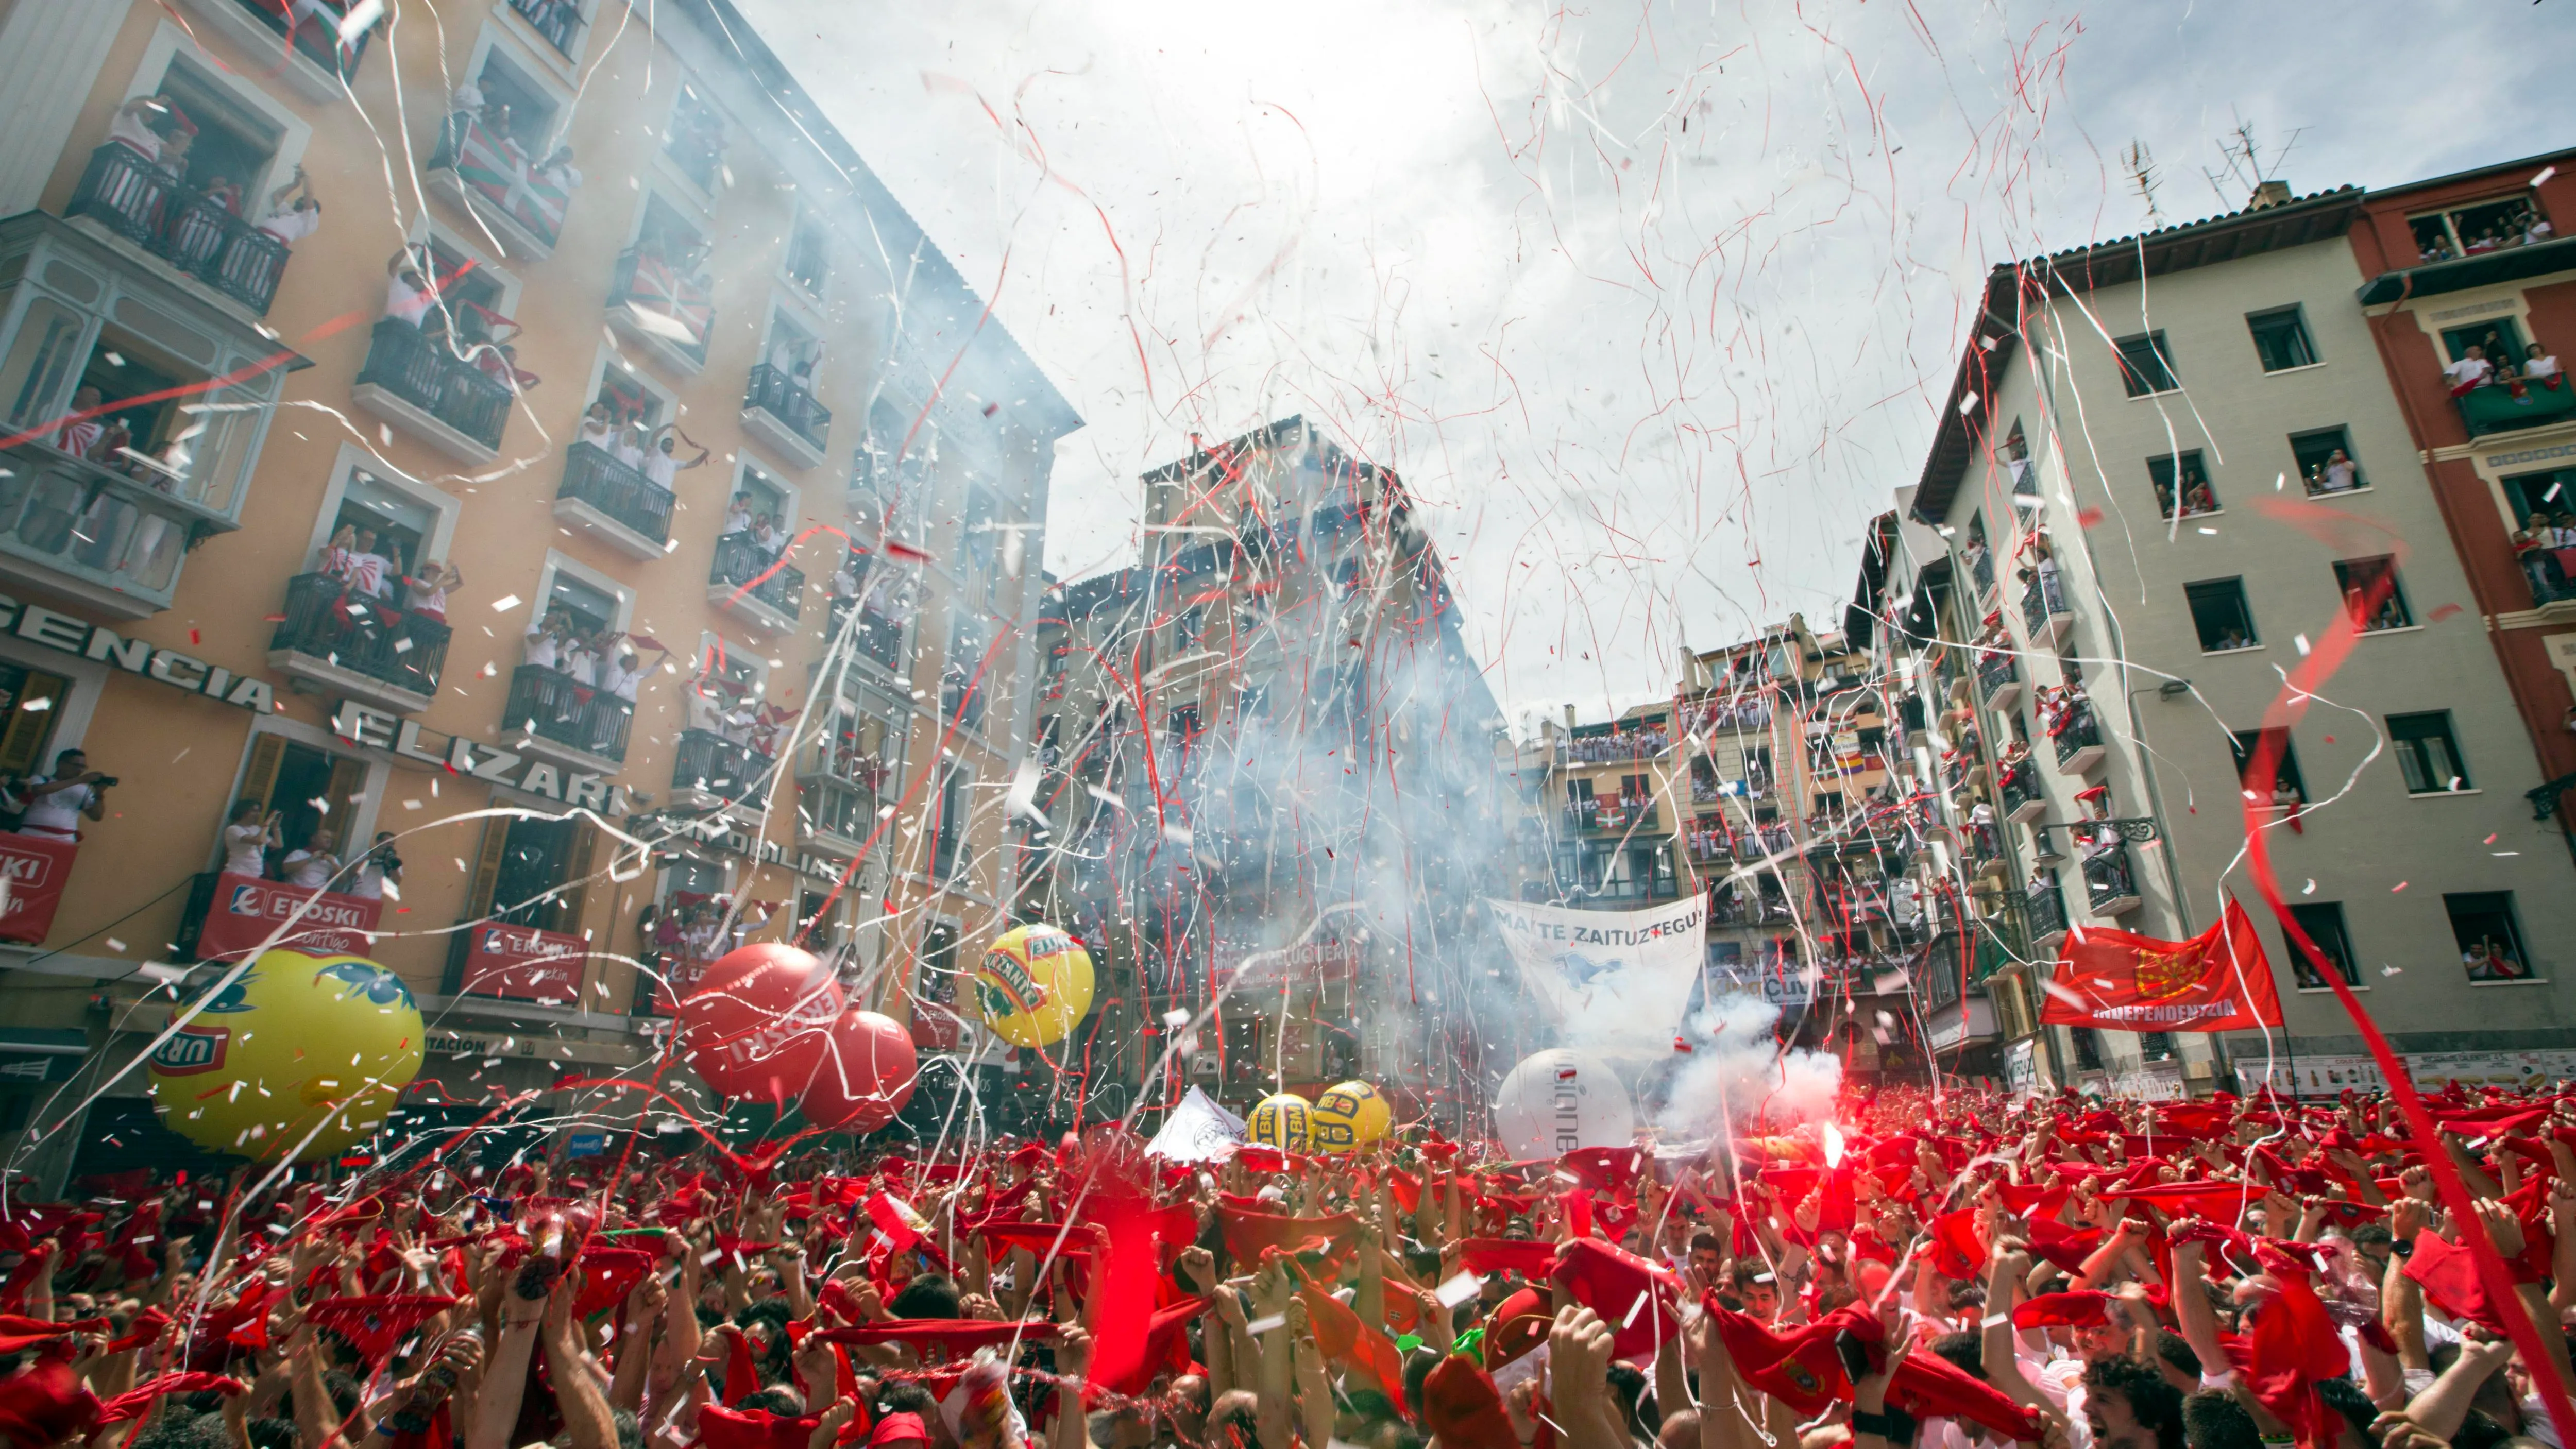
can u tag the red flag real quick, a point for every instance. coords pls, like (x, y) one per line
(47, 1404)
(1462, 1408)
(1530, 1260)
(1634, 1297)
(135, 1402)
(608, 1275)
(2290, 1345)
(2216, 981)
(2077, 1308)
(2450, 1280)
(1929, 1386)
(1956, 1253)
(1800, 1371)
(1167, 1346)
(1248, 1233)
(895, 1218)
(1356, 1346)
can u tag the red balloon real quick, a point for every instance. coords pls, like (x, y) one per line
(866, 1075)
(756, 1025)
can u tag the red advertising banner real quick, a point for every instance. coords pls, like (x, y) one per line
(2216, 981)
(680, 976)
(35, 870)
(247, 910)
(524, 964)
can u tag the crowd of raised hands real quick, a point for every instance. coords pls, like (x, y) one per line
(1949, 1272)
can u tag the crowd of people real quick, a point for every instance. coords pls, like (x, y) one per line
(1959, 1271)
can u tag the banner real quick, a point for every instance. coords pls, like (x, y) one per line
(246, 910)
(2216, 981)
(1615, 981)
(523, 964)
(34, 871)
(1198, 1130)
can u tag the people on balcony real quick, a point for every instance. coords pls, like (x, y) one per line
(294, 213)
(379, 867)
(409, 294)
(427, 594)
(313, 867)
(249, 835)
(737, 517)
(661, 460)
(54, 805)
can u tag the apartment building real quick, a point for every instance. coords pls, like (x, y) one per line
(2169, 468)
(366, 517)
(1269, 786)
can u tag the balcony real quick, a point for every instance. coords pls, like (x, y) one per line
(666, 314)
(772, 602)
(876, 638)
(1998, 680)
(91, 534)
(416, 383)
(1608, 749)
(709, 770)
(306, 53)
(834, 815)
(617, 505)
(2079, 739)
(2044, 612)
(1912, 718)
(559, 21)
(354, 646)
(561, 719)
(2022, 799)
(2110, 883)
(2512, 407)
(194, 234)
(2045, 909)
(1610, 815)
(491, 177)
(780, 411)
(1981, 567)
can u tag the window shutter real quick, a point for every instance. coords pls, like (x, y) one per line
(576, 876)
(22, 744)
(487, 867)
(259, 781)
(348, 787)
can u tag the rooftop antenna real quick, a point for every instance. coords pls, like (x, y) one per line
(2246, 167)
(2142, 176)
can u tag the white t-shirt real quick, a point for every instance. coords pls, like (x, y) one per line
(619, 680)
(582, 664)
(128, 127)
(2468, 370)
(737, 520)
(598, 435)
(542, 648)
(310, 869)
(58, 813)
(371, 880)
(367, 572)
(405, 301)
(292, 224)
(246, 849)
(2544, 366)
(2062, 1382)
(2339, 476)
(661, 467)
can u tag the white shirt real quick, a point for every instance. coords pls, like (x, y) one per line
(599, 435)
(542, 648)
(246, 849)
(432, 602)
(2546, 366)
(582, 664)
(129, 128)
(371, 880)
(2468, 370)
(367, 572)
(310, 869)
(56, 814)
(2339, 476)
(660, 467)
(737, 520)
(405, 301)
(291, 224)
(620, 680)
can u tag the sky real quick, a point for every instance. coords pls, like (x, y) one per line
(1651, 304)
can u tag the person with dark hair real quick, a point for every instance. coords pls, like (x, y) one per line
(2212, 1419)
(2128, 1405)
(929, 1295)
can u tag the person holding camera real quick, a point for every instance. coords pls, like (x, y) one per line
(56, 803)
(248, 838)
(378, 866)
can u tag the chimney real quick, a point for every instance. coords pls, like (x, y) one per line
(1569, 716)
(2269, 193)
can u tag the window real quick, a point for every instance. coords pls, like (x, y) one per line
(2371, 594)
(2145, 365)
(2323, 923)
(697, 140)
(30, 700)
(536, 881)
(949, 852)
(2281, 339)
(2427, 752)
(590, 610)
(2325, 461)
(2490, 940)
(809, 255)
(2185, 475)
(2219, 613)
(515, 106)
(2551, 493)
(2016, 460)
(2479, 227)
(233, 146)
(375, 518)
(2498, 339)
(2285, 772)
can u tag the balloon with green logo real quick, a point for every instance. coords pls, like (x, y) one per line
(1034, 985)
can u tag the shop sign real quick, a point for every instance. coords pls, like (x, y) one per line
(1326, 962)
(34, 871)
(1972, 1019)
(2021, 1069)
(523, 964)
(40, 625)
(405, 742)
(248, 910)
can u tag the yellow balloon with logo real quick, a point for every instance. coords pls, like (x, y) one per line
(1283, 1121)
(1349, 1117)
(1034, 986)
(299, 1056)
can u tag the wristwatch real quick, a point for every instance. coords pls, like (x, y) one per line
(2402, 1247)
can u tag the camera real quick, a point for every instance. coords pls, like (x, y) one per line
(104, 781)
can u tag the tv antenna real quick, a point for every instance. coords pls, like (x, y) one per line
(2244, 163)
(2141, 167)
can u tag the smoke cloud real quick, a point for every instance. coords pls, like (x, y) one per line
(1737, 1078)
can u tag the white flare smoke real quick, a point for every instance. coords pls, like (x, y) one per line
(1737, 1076)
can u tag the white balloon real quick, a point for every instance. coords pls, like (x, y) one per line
(1556, 1101)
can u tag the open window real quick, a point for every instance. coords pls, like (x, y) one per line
(2325, 461)
(2182, 476)
(2498, 340)
(533, 872)
(2145, 366)
(2284, 787)
(695, 141)
(218, 146)
(664, 293)
(2489, 934)
(2372, 593)
(315, 794)
(2480, 226)
(2281, 339)
(809, 255)
(2220, 615)
(2322, 922)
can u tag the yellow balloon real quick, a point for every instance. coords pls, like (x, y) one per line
(1280, 1121)
(296, 1043)
(1034, 986)
(1349, 1117)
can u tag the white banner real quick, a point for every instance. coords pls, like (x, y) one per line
(1199, 1130)
(2329, 1076)
(1615, 981)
